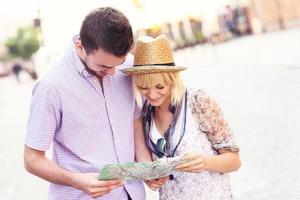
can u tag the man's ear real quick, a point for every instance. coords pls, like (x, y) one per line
(78, 44)
(79, 48)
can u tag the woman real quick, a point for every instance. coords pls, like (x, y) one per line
(179, 121)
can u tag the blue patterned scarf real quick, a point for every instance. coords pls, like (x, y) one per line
(173, 135)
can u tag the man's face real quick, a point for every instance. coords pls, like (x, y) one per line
(100, 63)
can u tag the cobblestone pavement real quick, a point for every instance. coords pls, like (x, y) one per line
(255, 79)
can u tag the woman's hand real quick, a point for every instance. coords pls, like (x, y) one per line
(192, 162)
(154, 184)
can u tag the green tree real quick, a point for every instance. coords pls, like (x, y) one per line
(24, 44)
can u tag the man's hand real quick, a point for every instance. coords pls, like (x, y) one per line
(154, 184)
(37, 163)
(95, 188)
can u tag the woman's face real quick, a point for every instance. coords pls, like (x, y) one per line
(158, 94)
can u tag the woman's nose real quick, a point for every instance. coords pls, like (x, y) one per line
(152, 94)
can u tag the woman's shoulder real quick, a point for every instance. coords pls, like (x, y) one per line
(201, 102)
(197, 94)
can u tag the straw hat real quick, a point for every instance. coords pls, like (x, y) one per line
(152, 55)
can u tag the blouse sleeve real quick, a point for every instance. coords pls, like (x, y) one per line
(211, 121)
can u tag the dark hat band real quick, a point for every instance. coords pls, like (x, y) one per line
(164, 64)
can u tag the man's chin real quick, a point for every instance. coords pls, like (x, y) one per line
(100, 75)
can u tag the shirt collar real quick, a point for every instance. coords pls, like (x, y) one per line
(76, 60)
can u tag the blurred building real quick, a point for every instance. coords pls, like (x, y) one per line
(270, 15)
(186, 22)
(3, 51)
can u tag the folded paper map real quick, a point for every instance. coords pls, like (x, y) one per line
(132, 171)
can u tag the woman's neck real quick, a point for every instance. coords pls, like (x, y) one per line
(163, 117)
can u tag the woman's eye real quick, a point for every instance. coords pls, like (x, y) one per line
(143, 88)
(160, 87)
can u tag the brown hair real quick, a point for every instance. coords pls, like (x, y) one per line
(106, 28)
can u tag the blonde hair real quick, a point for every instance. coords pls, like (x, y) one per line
(166, 78)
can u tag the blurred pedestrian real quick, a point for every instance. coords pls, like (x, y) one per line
(181, 121)
(16, 69)
(87, 111)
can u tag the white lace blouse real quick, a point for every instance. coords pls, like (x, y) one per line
(206, 133)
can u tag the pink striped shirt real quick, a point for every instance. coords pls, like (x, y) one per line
(88, 128)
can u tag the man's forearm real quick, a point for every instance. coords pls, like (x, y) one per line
(38, 164)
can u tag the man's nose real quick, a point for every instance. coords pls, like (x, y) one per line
(111, 71)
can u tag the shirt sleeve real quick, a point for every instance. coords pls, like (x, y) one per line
(44, 117)
(212, 122)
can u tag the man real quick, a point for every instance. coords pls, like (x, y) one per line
(86, 109)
